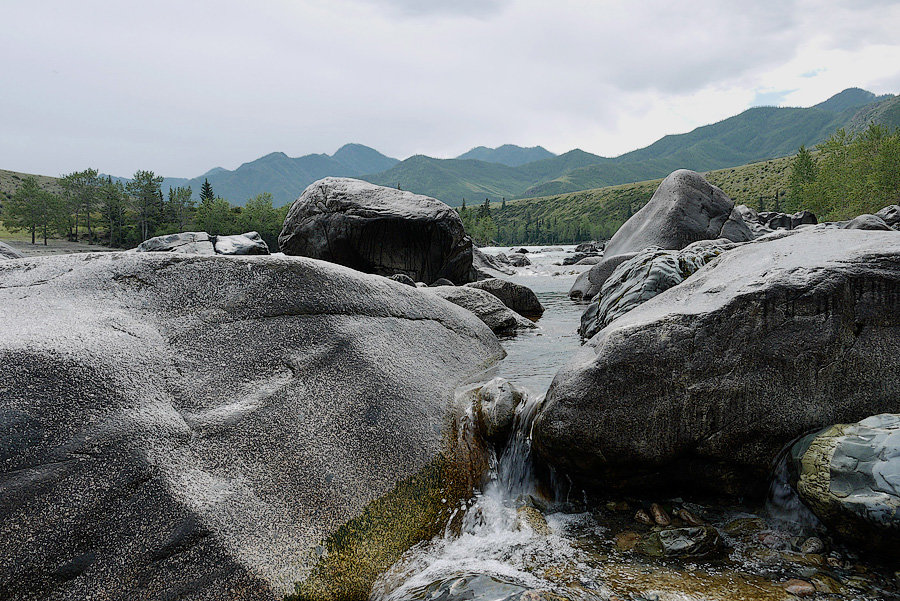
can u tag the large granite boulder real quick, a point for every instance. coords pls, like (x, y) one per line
(489, 309)
(193, 427)
(519, 260)
(483, 262)
(8, 252)
(849, 475)
(701, 386)
(517, 297)
(685, 208)
(250, 243)
(192, 243)
(890, 215)
(867, 221)
(378, 230)
(637, 280)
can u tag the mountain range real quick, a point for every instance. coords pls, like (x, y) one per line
(511, 171)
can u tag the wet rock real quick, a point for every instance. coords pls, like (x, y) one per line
(495, 408)
(670, 394)
(849, 475)
(698, 541)
(813, 544)
(890, 215)
(519, 260)
(643, 517)
(688, 517)
(576, 258)
(250, 243)
(167, 416)
(522, 251)
(684, 209)
(378, 230)
(8, 252)
(800, 588)
(534, 519)
(627, 541)
(403, 279)
(517, 297)
(637, 280)
(867, 222)
(618, 505)
(487, 307)
(502, 258)
(659, 515)
(194, 243)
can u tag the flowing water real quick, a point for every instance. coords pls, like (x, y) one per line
(517, 541)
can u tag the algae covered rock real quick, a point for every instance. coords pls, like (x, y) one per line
(223, 427)
(849, 475)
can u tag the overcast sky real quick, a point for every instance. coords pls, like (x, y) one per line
(178, 87)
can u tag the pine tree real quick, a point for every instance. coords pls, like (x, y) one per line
(32, 209)
(206, 191)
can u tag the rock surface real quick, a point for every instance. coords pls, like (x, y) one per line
(697, 541)
(193, 243)
(482, 261)
(495, 408)
(704, 384)
(849, 475)
(488, 308)
(519, 260)
(378, 230)
(250, 243)
(517, 297)
(8, 252)
(890, 215)
(637, 280)
(685, 208)
(403, 279)
(193, 427)
(867, 222)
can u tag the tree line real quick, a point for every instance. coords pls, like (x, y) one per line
(95, 209)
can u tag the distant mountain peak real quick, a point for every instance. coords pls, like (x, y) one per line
(508, 154)
(851, 98)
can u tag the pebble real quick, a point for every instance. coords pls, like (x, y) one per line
(643, 517)
(688, 517)
(813, 544)
(801, 588)
(659, 515)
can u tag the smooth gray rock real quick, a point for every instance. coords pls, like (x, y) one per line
(192, 427)
(517, 297)
(890, 215)
(637, 280)
(685, 208)
(867, 221)
(495, 408)
(193, 243)
(576, 257)
(488, 308)
(441, 282)
(752, 220)
(519, 260)
(587, 247)
(849, 475)
(403, 279)
(378, 230)
(701, 386)
(590, 260)
(250, 243)
(8, 252)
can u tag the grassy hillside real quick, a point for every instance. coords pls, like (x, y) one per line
(11, 180)
(598, 213)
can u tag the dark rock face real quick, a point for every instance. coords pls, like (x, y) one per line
(8, 252)
(704, 384)
(890, 215)
(517, 297)
(803, 218)
(867, 222)
(378, 230)
(685, 208)
(250, 243)
(192, 427)
(849, 475)
(193, 243)
(487, 307)
(589, 247)
(577, 257)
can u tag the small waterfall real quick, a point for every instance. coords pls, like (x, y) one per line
(783, 504)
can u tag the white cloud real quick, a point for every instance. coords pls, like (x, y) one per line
(179, 87)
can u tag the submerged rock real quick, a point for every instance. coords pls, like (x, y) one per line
(696, 541)
(378, 230)
(175, 425)
(684, 209)
(637, 280)
(250, 243)
(489, 309)
(704, 384)
(8, 252)
(849, 475)
(517, 297)
(194, 243)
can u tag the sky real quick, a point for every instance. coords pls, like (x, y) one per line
(179, 87)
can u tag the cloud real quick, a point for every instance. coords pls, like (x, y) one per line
(179, 87)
